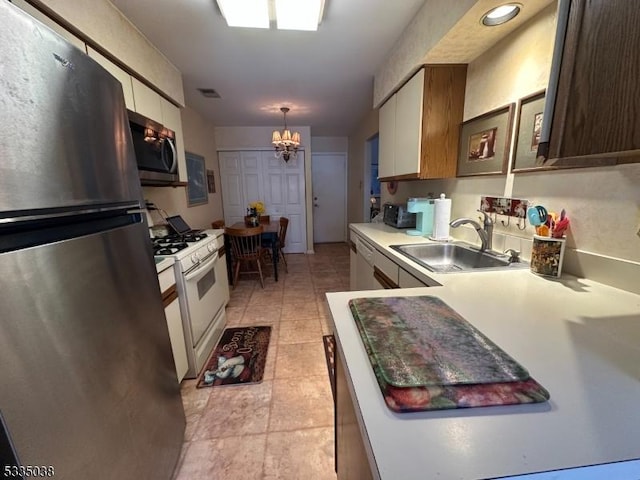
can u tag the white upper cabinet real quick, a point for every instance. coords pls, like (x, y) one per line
(147, 102)
(420, 125)
(386, 138)
(400, 131)
(123, 77)
(408, 133)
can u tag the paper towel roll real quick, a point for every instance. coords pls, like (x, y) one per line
(442, 217)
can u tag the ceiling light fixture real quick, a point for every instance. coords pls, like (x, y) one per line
(500, 15)
(245, 13)
(285, 144)
(298, 14)
(287, 14)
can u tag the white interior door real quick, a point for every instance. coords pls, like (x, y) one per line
(329, 197)
(234, 207)
(249, 176)
(284, 187)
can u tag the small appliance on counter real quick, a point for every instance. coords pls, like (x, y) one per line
(396, 215)
(423, 208)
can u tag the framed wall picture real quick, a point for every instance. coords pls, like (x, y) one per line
(484, 143)
(197, 193)
(530, 111)
(211, 181)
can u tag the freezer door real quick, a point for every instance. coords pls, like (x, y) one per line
(88, 383)
(65, 134)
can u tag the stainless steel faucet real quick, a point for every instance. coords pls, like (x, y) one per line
(485, 231)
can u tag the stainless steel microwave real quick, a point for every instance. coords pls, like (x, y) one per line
(155, 149)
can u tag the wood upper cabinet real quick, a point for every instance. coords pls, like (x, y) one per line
(420, 125)
(596, 115)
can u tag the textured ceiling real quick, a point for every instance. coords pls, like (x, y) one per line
(469, 38)
(325, 77)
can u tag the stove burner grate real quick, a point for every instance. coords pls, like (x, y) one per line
(173, 243)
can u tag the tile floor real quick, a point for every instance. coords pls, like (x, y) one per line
(281, 428)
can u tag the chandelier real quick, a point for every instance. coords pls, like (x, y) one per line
(285, 143)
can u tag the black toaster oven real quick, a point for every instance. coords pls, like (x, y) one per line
(396, 215)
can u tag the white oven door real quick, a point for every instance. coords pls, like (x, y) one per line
(204, 296)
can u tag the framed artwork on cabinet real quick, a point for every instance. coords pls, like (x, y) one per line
(484, 143)
(529, 121)
(197, 193)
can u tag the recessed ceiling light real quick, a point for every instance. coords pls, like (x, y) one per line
(501, 14)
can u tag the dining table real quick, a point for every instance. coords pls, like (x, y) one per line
(269, 235)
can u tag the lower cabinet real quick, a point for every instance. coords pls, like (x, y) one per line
(385, 272)
(167, 281)
(176, 335)
(406, 280)
(352, 462)
(353, 265)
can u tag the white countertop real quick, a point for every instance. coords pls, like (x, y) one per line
(163, 264)
(578, 338)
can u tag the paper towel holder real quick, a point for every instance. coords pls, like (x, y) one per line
(441, 218)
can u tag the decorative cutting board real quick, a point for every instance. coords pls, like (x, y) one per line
(426, 356)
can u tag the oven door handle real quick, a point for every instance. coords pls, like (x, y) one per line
(202, 269)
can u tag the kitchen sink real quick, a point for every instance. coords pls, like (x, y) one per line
(456, 257)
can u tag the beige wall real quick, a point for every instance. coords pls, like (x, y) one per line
(198, 139)
(329, 144)
(356, 171)
(104, 24)
(603, 203)
(257, 138)
(430, 24)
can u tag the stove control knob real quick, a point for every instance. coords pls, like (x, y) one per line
(210, 247)
(194, 258)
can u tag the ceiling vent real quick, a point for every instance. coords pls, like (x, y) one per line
(209, 93)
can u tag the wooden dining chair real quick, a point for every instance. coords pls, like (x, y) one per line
(246, 249)
(282, 236)
(217, 224)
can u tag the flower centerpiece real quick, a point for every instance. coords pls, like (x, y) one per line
(253, 212)
(258, 207)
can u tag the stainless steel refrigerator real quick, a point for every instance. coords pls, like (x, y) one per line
(87, 380)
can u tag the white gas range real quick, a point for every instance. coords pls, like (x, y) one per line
(203, 290)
